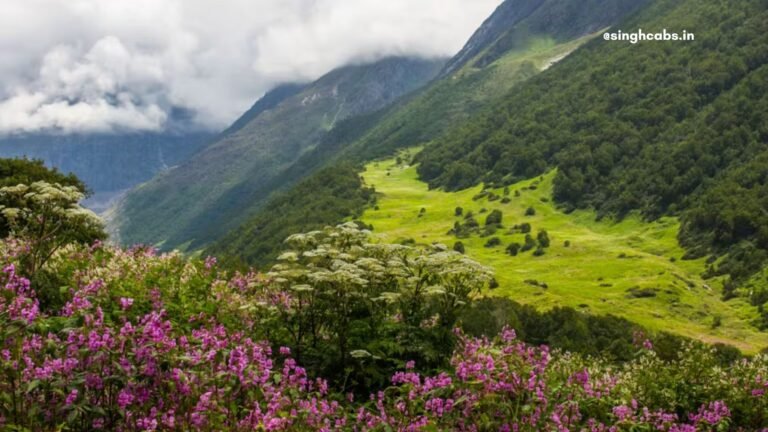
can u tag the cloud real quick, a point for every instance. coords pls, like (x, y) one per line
(111, 65)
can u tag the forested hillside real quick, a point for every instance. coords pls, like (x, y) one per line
(518, 41)
(662, 128)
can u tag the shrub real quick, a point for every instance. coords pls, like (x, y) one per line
(529, 244)
(489, 230)
(513, 249)
(458, 211)
(493, 242)
(543, 238)
(459, 247)
(530, 211)
(470, 222)
(494, 218)
(637, 292)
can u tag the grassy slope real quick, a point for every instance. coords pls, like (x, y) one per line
(589, 274)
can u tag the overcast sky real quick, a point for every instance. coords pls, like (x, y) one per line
(101, 65)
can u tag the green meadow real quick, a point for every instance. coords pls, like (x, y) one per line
(630, 268)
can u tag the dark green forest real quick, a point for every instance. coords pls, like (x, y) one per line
(332, 194)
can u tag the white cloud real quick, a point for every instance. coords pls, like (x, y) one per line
(103, 65)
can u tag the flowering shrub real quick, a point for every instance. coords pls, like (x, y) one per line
(149, 342)
(49, 217)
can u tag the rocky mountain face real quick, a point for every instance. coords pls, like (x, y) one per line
(218, 188)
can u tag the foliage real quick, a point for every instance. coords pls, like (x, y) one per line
(494, 217)
(24, 171)
(459, 247)
(543, 238)
(48, 216)
(115, 358)
(45, 218)
(345, 292)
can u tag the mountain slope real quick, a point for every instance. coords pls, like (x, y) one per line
(658, 127)
(467, 86)
(107, 162)
(214, 191)
(513, 22)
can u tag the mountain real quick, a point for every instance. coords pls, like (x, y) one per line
(649, 159)
(675, 128)
(525, 38)
(218, 188)
(111, 163)
(104, 162)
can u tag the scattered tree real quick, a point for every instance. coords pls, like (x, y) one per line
(493, 218)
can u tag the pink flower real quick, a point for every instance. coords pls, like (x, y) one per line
(126, 303)
(71, 397)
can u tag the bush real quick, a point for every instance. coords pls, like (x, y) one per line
(493, 242)
(458, 211)
(493, 218)
(489, 230)
(636, 292)
(543, 238)
(459, 247)
(529, 244)
(470, 222)
(513, 249)
(530, 211)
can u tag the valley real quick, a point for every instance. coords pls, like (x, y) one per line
(431, 219)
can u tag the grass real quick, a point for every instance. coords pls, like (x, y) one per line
(630, 268)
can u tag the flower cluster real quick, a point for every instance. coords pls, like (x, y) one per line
(148, 342)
